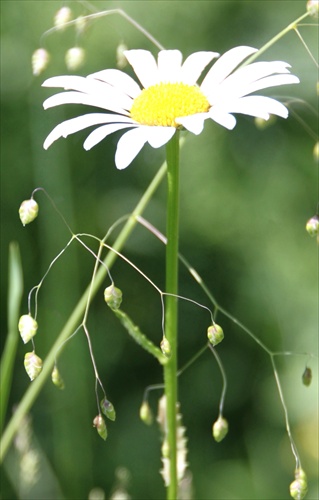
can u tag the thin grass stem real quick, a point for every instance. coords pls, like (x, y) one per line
(35, 387)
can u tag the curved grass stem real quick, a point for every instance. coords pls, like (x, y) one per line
(75, 318)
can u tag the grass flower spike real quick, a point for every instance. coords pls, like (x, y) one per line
(169, 99)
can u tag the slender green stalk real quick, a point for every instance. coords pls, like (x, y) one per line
(15, 289)
(170, 369)
(291, 26)
(76, 317)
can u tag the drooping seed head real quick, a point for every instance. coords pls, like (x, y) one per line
(146, 413)
(220, 429)
(27, 327)
(28, 211)
(100, 425)
(108, 409)
(39, 61)
(113, 297)
(57, 379)
(33, 365)
(215, 334)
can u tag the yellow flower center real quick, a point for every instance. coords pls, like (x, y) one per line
(161, 104)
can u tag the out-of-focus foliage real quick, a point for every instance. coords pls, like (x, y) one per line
(245, 198)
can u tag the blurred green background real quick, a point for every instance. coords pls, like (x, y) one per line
(245, 198)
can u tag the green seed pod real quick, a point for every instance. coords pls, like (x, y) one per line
(146, 413)
(300, 474)
(312, 225)
(313, 7)
(121, 60)
(40, 60)
(215, 334)
(28, 211)
(33, 364)
(63, 16)
(74, 58)
(108, 409)
(56, 378)
(100, 425)
(298, 489)
(27, 327)
(220, 429)
(307, 376)
(113, 297)
(165, 347)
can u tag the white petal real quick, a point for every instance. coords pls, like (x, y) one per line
(99, 91)
(236, 83)
(158, 136)
(231, 89)
(100, 133)
(257, 106)
(169, 65)
(193, 123)
(194, 65)
(224, 66)
(79, 83)
(63, 81)
(226, 120)
(129, 145)
(81, 122)
(270, 81)
(119, 80)
(144, 65)
(106, 102)
(255, 71)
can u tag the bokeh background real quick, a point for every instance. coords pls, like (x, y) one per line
(245, 198)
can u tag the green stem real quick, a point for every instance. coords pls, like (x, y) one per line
(170, 369)
(15, 289)
(275, 39)
(76, 317)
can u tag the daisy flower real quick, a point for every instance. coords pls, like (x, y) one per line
(168, 97)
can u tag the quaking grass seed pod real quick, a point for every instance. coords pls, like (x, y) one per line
(100, 425)
(27, 327)
(313, 7)
(220, 429)
(108, 409)
(299, 487)
(33, 365)
(28, 211)
(215, 334)
(307, 376)
(113, 297)
(312, 226)
(63, 16)
(146, 413)
(57, 379)
(74, 58)
(40, 60)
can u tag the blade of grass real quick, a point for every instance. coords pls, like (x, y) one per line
(15, 289)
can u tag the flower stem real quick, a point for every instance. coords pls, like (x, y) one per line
(170, 369)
